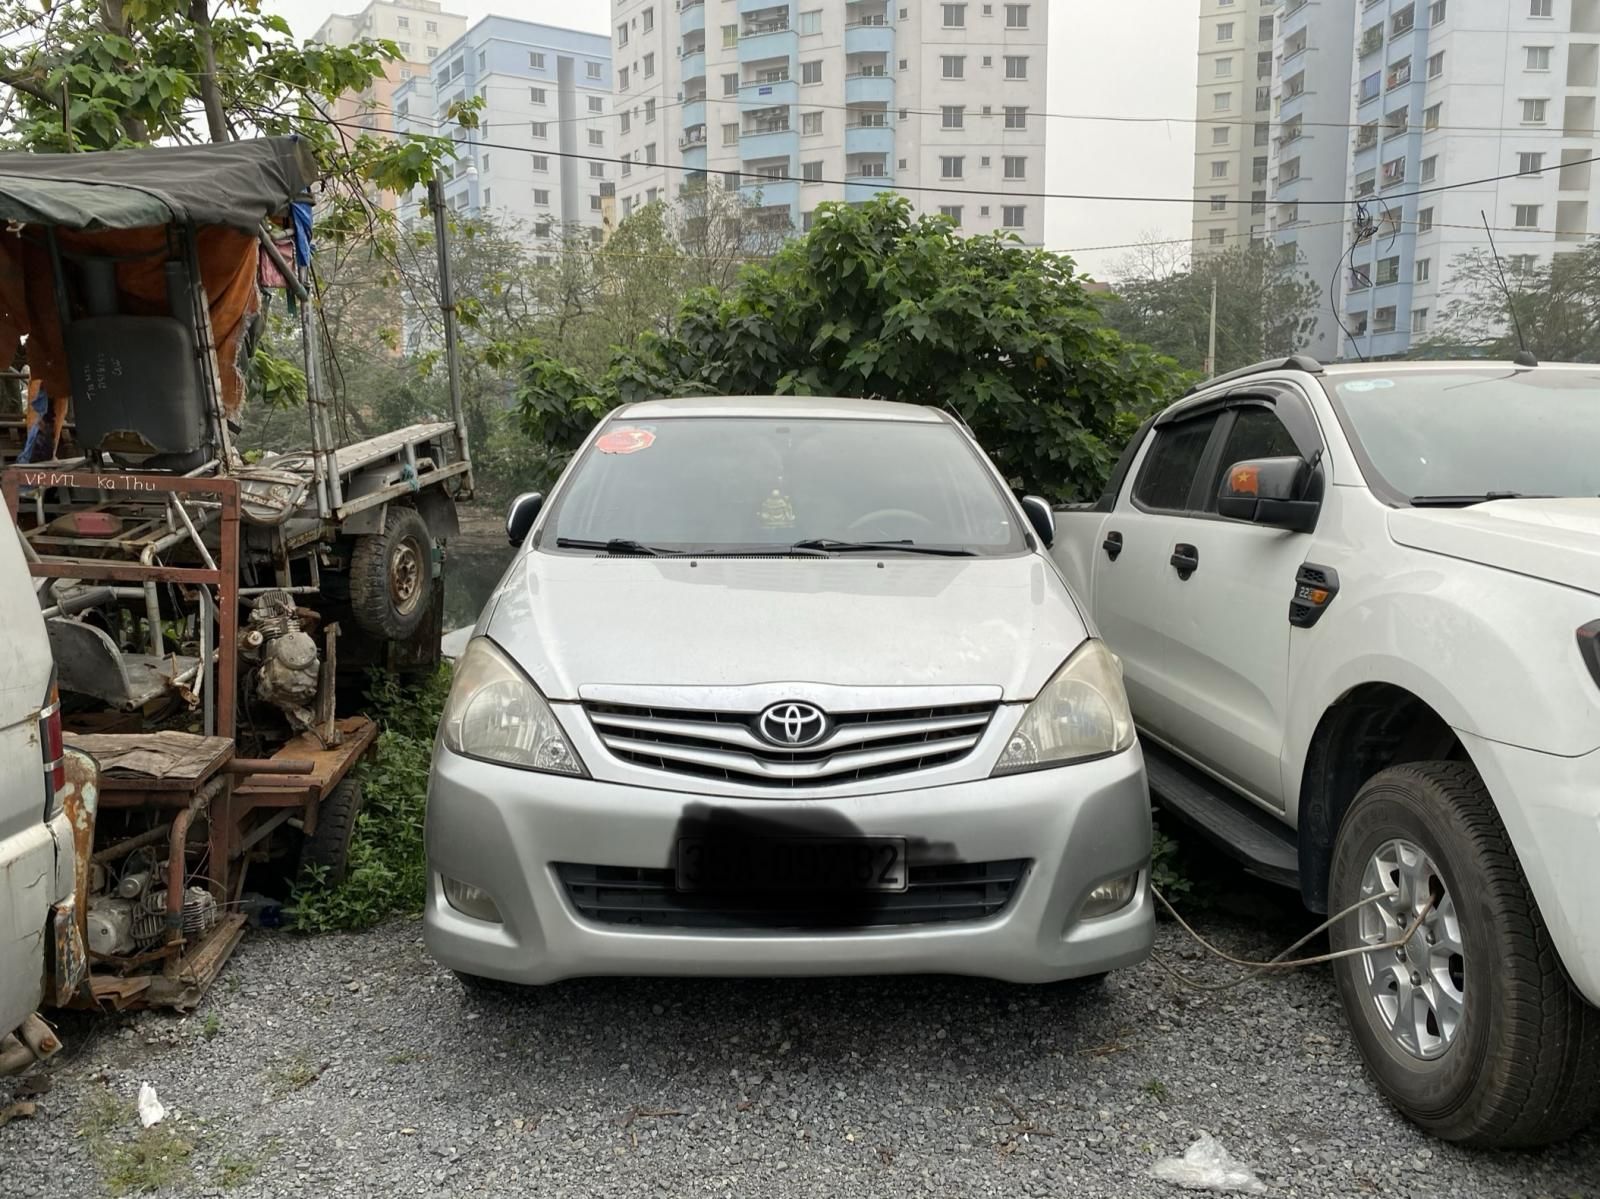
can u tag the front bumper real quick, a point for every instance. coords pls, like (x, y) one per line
(504, 831)
(1551, 807)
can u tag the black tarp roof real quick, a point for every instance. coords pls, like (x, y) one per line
(231, 183)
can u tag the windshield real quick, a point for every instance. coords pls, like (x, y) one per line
(1472, 433)
(724, 484)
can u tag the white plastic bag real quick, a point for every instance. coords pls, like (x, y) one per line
(1207, 1166)
(150, 1109)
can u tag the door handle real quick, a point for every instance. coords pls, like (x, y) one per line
(1185, 559)
(1112, 545)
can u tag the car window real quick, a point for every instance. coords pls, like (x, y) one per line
(1256, 433)
(1169, 468)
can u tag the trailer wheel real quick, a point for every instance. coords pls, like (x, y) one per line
(391, 576)
(328, 848)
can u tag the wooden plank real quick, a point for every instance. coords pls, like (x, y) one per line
(153, 761)
(375, 449)
(426, 479)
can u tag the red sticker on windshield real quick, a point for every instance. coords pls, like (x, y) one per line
(625, 440)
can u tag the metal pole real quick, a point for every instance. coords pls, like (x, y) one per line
(447, 308)
(1211, 346)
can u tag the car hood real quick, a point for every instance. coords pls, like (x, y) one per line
(577, 621)
(1556, 540)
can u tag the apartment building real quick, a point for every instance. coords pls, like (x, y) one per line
(1233, 103)
(537, 157)
(1448, 92)
(798, 103)
(419, 28)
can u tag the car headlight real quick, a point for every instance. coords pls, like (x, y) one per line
(1081, 713)
(495, 713)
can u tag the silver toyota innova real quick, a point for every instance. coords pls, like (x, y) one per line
(785, 686)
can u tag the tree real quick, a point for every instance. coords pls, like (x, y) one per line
(1266, 304)
(875, 303)
(1556, 304)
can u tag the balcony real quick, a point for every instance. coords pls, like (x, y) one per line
(1399, 75)
(767, 41)
(768, 142)
(693, 66)
(759, 93)
(869, 37)
(693, 136)
(860, 188)
(752, 7)
(692, 16)
(770, 193)
(1371, 41)
(863, 87)
(694, 154)
(868, 139)
(694, 112)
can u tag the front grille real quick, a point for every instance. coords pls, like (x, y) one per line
(647, 898)
(725, 745)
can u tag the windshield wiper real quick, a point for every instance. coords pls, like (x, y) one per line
(1466, 501)
(616, 545)
(833, 546)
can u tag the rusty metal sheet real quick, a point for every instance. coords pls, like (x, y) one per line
(328, 766)
(187, 978)
(153, 761)
(69, 949)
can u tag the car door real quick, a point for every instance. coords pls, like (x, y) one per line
(1137, 596)
(1235, 584)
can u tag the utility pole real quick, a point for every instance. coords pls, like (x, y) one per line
(1211, 346)
(447, 309)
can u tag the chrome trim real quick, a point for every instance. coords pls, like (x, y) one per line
(739, 735)
(749, 764)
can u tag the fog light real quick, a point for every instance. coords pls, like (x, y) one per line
(1111, 896)
(470, 901)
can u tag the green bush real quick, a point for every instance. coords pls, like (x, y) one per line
(388, 873)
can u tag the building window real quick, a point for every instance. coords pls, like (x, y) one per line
(1016, 166)
(649, 19)
(1218, 236)
(811, 172)
(1219, 203)
(953, 66)
(536, 95)
(1419, 321)
(811, 22)
(591, 70)
(487, 198)
(955, 16)
(1526, 216)
(597, 137)
(1403, 21)
(1533, 111)
(1224, 31)
(1388, 270)
(1016, 18)
(730, 36)
(1219, 135)
(1540, 8)
(1424, 269)
(1430, 117)
(597, 170)
(622, 35)
(649, 66)
(1224, 67)
(1436, 12)
(730, 85)
(953, 211)
(594, 203)
(952, 116)
(1263, 134)
(1016, 117)
(1521, 264)
(622, 80)
(1013, 216)
(1383, 319)
(1016, 66)
(649, 111)
(405, 48)
(402, 22)
(650, 152)
(536, 62)
(730, 133)
(541, 162)
(540, 130)
(1538, 58)
(1529, 164)
(811, 72)
(627, 169)
(810, 123)
(596, 104)
(1436, 65)
(625, 120)
(541, 197)
(1219, 169)
(1222, 102)
(950, 166)
(1430, 168)
(1424, 220)
(807, 220)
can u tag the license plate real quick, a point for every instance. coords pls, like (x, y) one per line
(818, 864)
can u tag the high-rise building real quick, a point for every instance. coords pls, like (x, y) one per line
(1449, 92)
(1233, 112)
(797, 103)
(419, 29)
(537, 156)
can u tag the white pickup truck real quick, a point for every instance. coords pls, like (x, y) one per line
(1358, 610)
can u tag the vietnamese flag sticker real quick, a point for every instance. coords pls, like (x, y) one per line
(625, 440)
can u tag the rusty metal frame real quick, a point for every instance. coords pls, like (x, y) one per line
(167, 488)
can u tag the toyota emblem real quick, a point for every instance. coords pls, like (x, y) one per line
(793, 725)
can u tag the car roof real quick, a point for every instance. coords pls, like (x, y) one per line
(797, 407)
(1423, 365)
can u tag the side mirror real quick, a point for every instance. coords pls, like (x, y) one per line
(1041, 518)
(520, 516)
(1270, 491)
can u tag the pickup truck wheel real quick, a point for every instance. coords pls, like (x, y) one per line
(391, 576)
(328, 848)
(1471, 1029)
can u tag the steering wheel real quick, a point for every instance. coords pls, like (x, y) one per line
(862, 522)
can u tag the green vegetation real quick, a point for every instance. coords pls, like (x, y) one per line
(211, 1025)
(388, 872)
(133, 1160)
(296, 1074)
(1157, 1090)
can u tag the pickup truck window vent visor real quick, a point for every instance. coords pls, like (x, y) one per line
(1589, 647)
(1314, 589)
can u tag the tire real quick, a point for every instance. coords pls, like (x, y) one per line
(1519, 1066)
(328, 847)
(391, 576)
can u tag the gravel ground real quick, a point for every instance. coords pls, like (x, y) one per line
(353, 1065)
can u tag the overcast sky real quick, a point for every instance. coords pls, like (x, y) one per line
(1122, 57)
